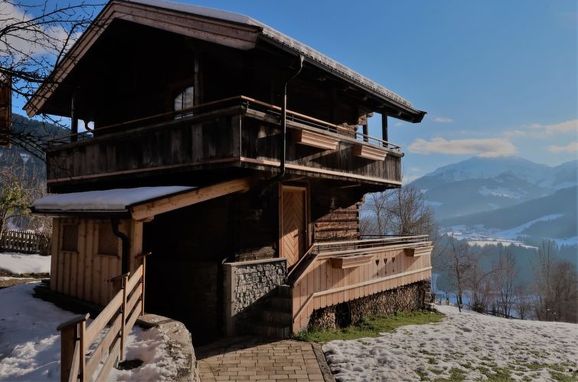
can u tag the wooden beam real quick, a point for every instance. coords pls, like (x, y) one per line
(171, 203)
(384, 133)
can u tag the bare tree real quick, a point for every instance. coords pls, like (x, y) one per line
(34, 35)
(523, 302)
(556, 286)
(564, 302)
(400, 211)
(478, 282)
(460, 263)
(504, 276)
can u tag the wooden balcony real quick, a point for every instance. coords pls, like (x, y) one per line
(335, 272)
(237, 132)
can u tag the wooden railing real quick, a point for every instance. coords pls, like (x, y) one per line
(336, 272)
(89, 352)
(25, 242)
(230, 132)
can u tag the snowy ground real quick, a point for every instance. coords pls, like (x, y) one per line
(30, 343)
(467, 346)
(18, 263)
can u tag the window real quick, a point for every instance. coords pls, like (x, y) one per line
(184, 101)
(69, 238)
(107, 240)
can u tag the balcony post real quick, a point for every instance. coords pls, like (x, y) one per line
(384, 134)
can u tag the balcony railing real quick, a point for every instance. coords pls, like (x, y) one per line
(237, 131)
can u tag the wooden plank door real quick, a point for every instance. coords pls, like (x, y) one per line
(293, 235)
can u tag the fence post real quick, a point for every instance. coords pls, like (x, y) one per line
(144, 269)
(69, 334)
(82, 353)
(123, 314)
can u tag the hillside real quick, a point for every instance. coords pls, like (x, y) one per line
(465, 346)
(550, 216)
(24, 158)
(505, 198)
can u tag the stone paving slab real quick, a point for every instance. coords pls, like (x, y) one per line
(253, 359)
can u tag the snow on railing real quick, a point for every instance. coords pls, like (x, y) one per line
(88, 353)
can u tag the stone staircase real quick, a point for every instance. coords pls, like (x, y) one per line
(274, 318)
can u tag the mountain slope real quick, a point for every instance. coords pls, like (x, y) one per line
(552, 216)
(484, 184)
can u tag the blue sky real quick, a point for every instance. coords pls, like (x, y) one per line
(494, 73)
(496, 77)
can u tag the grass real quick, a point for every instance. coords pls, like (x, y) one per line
(371, 326)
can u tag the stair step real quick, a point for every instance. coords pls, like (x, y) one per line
(280, 304)
(284, 291)
(276, 317)
(271, 330)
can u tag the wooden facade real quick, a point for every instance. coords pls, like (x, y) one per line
(338, 275)
(270, 136)
(86, 256)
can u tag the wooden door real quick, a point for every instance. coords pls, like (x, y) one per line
(293, 223)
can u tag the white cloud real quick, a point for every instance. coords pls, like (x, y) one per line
(485, 147)
(440, 119)
(571, 147)
(32, 38)
(538, 130)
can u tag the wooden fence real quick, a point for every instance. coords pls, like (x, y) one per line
(88, 353)
(25, 242)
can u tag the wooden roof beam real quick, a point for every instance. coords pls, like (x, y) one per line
(149, 210)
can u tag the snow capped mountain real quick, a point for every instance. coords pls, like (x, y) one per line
(504, 194)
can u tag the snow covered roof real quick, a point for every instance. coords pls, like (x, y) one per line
(121, 9)
(284, 40)
(117, 200)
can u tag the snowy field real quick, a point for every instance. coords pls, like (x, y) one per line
(466, 346)
(30, 343)
(18, 263)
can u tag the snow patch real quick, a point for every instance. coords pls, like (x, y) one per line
(18, 263)
(466, 341)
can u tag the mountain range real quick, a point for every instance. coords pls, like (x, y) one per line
(507, 197)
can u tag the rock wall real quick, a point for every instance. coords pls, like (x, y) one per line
(407, 298)
(246, 284)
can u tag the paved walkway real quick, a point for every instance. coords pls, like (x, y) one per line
(250, 359)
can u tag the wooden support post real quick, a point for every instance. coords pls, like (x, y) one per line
(69, 336)
(124, 314)
(365, 132)
(384, 134)
(73, 119)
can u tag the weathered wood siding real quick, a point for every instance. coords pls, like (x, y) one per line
(84, 273)
(322, 284)
(225, 137)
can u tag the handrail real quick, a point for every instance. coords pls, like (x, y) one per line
(119, 316)
(373, 245)
(241, 100)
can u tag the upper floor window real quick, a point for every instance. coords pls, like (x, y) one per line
(184, 100)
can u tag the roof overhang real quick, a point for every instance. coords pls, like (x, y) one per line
(138, 203)
(215, 26)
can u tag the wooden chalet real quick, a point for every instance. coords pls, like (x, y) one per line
(233, 154)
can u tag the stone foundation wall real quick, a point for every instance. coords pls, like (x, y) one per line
(246, 283)
(403, 299)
